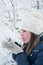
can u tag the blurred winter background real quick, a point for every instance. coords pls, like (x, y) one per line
(9, 13)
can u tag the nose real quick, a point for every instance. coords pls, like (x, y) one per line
(21, 33)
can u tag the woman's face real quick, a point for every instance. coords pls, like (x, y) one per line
(26, 36)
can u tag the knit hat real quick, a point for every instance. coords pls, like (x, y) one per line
(31, 21)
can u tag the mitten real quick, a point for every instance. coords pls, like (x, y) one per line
(13, 47)
(22, 59)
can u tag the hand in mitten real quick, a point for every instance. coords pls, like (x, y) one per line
(21, 58)
(13, 47)
(14, 56)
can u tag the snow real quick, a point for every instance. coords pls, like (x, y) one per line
(5, 35)
(7, 31)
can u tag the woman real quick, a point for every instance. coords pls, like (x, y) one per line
(31, 28)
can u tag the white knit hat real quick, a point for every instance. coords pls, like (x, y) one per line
(31, 21)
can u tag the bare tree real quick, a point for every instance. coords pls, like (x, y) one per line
(37, 4)
(6, 15)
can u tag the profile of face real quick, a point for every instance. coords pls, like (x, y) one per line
(26, 36)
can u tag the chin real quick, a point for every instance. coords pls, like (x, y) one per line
(26, 42)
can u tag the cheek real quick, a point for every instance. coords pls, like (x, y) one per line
(27, 38)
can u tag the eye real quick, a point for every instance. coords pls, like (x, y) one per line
(24, 30)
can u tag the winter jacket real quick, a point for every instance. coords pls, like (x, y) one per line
(35, 58)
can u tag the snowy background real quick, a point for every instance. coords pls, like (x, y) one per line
(9, 13)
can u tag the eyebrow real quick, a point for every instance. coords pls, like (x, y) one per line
(24, 30)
